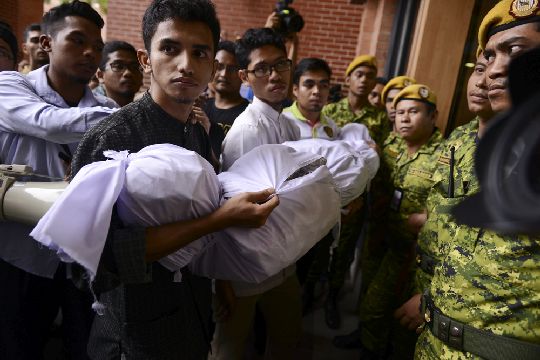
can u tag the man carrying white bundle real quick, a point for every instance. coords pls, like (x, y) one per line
(264, 66)
(147, 314)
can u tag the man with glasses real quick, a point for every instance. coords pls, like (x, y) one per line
(264, 66)
(227, 104)
(37, 57)
(119, 73)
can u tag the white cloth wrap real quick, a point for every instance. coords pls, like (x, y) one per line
(350, 169)
(149, 187)
(309, 207)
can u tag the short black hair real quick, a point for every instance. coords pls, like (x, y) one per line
(8, 36)
(381, 80)
(184, 10)
(54, 19)
(310, 64)
(112, 46)
(254, 39)
(31, 27)
(227, 46)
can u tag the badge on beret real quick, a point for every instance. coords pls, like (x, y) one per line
(423, 92)
(523, 8)
(328, 130)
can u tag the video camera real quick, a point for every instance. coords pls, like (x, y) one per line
(290, 21)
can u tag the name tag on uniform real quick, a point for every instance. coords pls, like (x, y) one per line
(420, 173)
(395, 202)
(445, 160)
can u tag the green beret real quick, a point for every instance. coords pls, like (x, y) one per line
(399, 83)
(366, 60)
(416, 92)
(505, 15)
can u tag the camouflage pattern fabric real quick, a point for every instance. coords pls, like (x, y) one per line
(485, 280)
(440, 227)
(413, 175)
(374, 119)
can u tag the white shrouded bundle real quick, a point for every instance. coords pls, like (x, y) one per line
(157, 185)
(353, 163)
(309, 206)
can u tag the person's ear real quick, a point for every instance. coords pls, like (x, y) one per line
(347, 80)
(24, 48)
(45, 43)
(144, 60)
(99, 75)
(295, 90)
(434, 117)
(243, 74)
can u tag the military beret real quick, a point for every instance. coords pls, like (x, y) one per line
(399, 83)
(366, 60)
(416, 92)
(505, 15)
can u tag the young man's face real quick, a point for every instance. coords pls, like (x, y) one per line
(477, 90)
(272, 88)
(31, 48)
(375, 96)
(75, 50)
(122, 74)
(226, 80)
(312, 90)
(501, 48)
(413, 121)
(181, 61)
(7, 63)
(362, 80)
(390, 96)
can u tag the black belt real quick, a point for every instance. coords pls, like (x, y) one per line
(465, 338)
(425, 262)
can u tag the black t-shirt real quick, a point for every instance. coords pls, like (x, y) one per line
(221, 121)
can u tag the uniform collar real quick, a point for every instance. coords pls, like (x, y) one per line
(264, 108)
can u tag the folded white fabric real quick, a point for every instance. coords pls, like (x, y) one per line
(308, 209)
(357, 136)
(160, 184)
(351, 170)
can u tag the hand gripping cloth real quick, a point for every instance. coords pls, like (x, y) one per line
(158, 185)
(309, 207)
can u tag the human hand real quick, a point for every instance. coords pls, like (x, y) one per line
(250, 209)
(416, 221)
(201, 118)
(272, 21)
(225, 300)
(409, 314)
(351, 210)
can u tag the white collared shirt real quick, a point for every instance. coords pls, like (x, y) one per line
(34, 121)
(259, 124)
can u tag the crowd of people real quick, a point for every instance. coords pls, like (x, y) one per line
(430, 288)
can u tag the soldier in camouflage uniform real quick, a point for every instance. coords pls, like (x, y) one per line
(355, 108)
(411, 178)
(439, 227)
(484, 300)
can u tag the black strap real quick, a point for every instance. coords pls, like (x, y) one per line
(483, 343)
(425, 262)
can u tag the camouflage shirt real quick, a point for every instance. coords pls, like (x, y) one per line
(374, 119)
(411, 178)
(488, 281)
(439, 227)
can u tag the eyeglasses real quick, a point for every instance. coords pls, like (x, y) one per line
(121, 67)
(264, 70)
(227, 68)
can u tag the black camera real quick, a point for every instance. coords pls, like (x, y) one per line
(290, 21)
